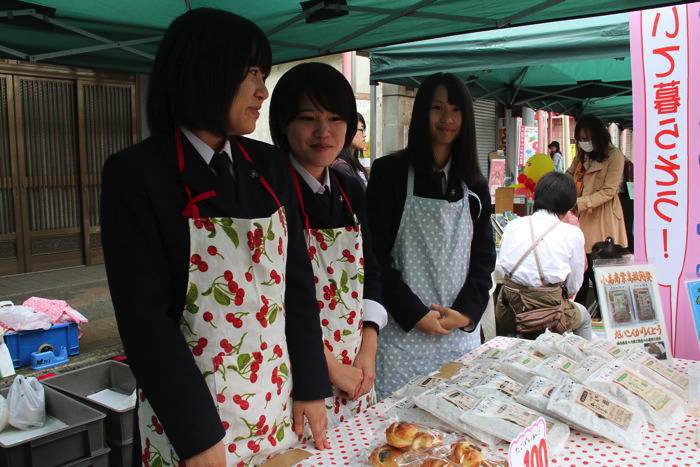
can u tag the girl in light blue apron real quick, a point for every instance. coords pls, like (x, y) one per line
(429, 210)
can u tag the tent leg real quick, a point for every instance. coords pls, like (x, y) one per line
(373, 121)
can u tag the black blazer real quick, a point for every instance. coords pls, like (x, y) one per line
(146, 248)
(337, 215)
(386, 195)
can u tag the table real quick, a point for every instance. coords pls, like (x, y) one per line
(352, 439)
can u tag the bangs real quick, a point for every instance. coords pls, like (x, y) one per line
(260, 54)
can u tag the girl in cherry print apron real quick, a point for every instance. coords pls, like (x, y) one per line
(234, 325)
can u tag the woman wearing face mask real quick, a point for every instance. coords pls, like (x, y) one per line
(205, 256)
(429, 211)
(597, 171)
(349, 159)
(312, 117)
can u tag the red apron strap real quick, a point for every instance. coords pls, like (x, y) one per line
(297, 188)
(191, 209)
(262, 179)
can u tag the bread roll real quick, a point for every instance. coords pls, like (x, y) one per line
(409, 436)
(384, 456)
(436, 463)
(466, 455)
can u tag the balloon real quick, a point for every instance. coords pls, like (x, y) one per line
(535, 168)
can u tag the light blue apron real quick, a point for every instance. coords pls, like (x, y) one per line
(432, 251)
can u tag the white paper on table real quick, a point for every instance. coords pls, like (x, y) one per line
(114, 400)
(12, 436)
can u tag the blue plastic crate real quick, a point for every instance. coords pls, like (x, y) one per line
(22, 344)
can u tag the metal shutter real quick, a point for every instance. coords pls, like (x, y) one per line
(485, 116)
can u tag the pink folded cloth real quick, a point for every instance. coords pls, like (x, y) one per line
(57, 310)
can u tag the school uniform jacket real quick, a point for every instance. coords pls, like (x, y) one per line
(386, 196)
(336, 215)
(145, 239)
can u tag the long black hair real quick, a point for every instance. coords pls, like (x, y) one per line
(201, 61)
(600, 137)
(325, 87)
(351, 155)
(465, 160)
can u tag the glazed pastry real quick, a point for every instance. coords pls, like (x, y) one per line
(436, 463)
(409, 436)
(466, 455)
(384, 456)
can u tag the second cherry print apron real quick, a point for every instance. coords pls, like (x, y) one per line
(338, 265)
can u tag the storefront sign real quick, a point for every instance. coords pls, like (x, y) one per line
(630, 306)
(665, 44)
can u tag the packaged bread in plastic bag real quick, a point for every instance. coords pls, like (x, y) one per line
(604, 349)
(546, 343)
(506, 419)
(586, 368)
(556, 367)
(406, 410)
(496, 382)
(520, 366)
(449, 402)
(572, 346)
(592, 411)
(460, 453)
(418, 385)
(660, 372)
(622, 380)
(536, 393)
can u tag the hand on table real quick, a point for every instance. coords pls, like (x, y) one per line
(315, 413)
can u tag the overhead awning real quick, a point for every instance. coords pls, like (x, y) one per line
(571, 66)
(124, 34)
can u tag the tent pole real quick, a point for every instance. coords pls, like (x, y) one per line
(372, 121)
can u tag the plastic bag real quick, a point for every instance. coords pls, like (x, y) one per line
(660, 372)
(546, 343)
(447, 403)
(520, 366)
(605, 349)
(556, 367)
(4, 413)
(22, 318)
(572, 346)
(506, 419)
(586, 368)
(622, 380)
(536, 394)
(26, 403)
(407, 411)
(593, 412)
(496, 383)
(419, 385)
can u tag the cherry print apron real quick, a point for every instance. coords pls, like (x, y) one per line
(338, 264)
(234, 323)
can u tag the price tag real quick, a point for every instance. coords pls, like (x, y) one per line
(529, 449)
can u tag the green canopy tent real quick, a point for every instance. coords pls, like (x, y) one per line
(124, 34)
(571, 66)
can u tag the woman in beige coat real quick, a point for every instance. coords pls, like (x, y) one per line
(597, 171)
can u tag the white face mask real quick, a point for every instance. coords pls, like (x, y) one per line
(586, 146)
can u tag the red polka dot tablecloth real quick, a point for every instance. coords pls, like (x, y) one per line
(352, 440)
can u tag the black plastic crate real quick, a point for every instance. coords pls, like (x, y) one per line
(121, 454)
(82, 439)
(119, 424)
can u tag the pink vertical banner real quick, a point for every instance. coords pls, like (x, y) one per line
(665, 44)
